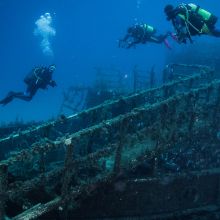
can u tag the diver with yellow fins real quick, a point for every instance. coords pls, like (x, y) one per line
(191, 20)
(141, 34)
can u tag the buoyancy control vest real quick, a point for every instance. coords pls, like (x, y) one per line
(37, 77)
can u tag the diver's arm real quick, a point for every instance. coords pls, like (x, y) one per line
(133, 43)
(179, 25)
(126, 37)
(128, 42)
(52, 83)
(122, 43)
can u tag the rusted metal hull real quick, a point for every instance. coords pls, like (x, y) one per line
(176, 194)
(93, 165)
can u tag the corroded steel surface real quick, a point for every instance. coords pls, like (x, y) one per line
(67, 165)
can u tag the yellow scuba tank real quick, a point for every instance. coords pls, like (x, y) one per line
(148, 28)
(202, 12)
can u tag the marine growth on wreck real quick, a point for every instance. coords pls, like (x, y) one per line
(153, 154)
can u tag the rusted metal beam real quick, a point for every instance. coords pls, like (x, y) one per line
(3, 189)
(114, 108)
(38, 210)
(179, 193)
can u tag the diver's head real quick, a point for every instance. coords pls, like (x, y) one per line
(52, 68)
(169, 11)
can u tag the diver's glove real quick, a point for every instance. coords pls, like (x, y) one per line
(122, 44)
(126, 44)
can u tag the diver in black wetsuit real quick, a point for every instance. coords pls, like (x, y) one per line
(191, 20)
(38, 78)
(141, 34)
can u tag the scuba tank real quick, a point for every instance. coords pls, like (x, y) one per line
(200, 11)
(148, 28)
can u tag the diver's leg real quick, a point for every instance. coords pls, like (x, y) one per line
(28, 95)
(23, 96)
(9, 97)
(158, 39)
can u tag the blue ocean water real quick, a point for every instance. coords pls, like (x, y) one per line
(86, 37)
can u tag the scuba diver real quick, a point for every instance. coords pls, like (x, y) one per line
(191, 20)
(142, 33)
(38, 78)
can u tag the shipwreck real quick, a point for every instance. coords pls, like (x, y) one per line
(153, 154)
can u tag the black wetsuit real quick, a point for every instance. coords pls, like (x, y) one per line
(139, 34)
(194, 25)
(38, 78)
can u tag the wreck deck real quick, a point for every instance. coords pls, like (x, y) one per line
(147, 153)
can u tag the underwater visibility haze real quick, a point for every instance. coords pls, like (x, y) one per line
(77, 36)
(101, 117)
